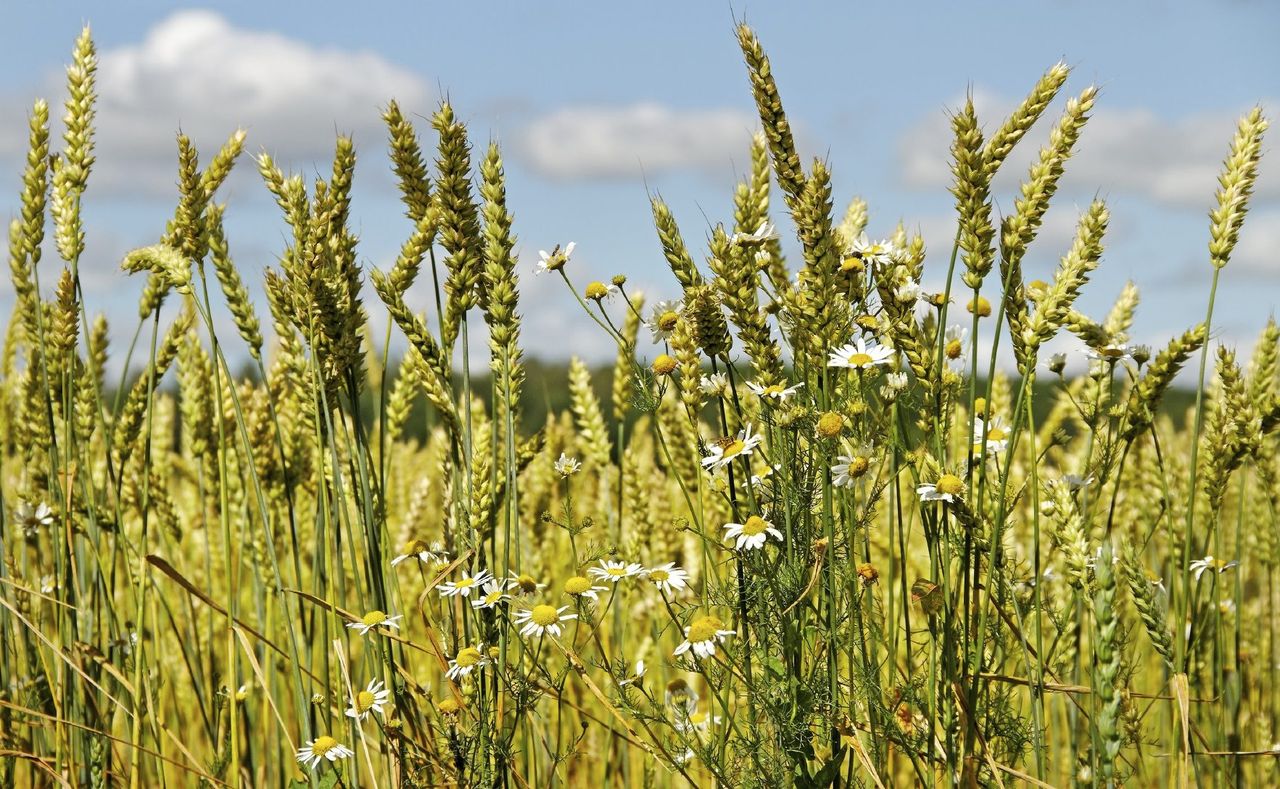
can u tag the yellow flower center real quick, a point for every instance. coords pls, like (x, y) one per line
(323, 745)
(704, 629)
(364, 700)
(665, 364)
(995, 434)
(1111, 353)
(859, 359)
(678, 687)
(468, 657)
(698, 718)
(658, 576)
(830, 425)
(980, 307)
(373, 618)
(527, 584)
(596, 290)
(950, 483)
(413, 547)
(858, 466)
(577, 585)
(544, 615)
(954, 349)
(465, 583)
(667, 320)
(774, 390)
(449, 706)
(734, 448)
(493, 597)
(616, 572)
(754, 525)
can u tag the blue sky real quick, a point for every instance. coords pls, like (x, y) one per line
(594, 101)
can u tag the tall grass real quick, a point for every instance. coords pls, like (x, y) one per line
(821, 537)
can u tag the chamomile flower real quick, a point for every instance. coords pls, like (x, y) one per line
(702, 636)
(880, 253)
(466, 584)
(858, 355)
(994, 432)
(580, 586)
(752, 534)
(953, 348)
(467, 660)
(543, 619)
(31, 519)
(948, 488)
(663, 319)
(894, 385)
(908, 292)
(495, 592)
(599, 291)
(668, 578)
(763, 233)
(635, 676)
(1111, 353)
(374, 620)
(698, 720)
(726, 449)
(372, 699)
(614, 571)
(845, 474)
(714, 385)
(326, 747)
(778, 392)
(567, 466)
(680, 695)
(524, 584)
(1218, 566)
(555, 259)
(414, 549)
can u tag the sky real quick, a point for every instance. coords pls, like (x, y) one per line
(596, 105)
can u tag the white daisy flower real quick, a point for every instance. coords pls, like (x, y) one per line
(752, 534)
(465, 585)
(714, 385)
(1111, 353)
(615, 571)
(762, 234)
(948, 488)
(908, 292)
(580, 586)
(635, 676)
(702, 636)
(668, 577)
(567, 466)
(555, 259)
(467, 660)
(374, 620)
(698, 720)
(995, 433)
(845, 474)
(1218, 566)
(543, 619)
(880, 253)
(414, 549)
(1056, 363)
(524, 584)
(680, 695)
(326, 747)
(776, 391)
(372, 699)
(599, 291)
(726, 449)
(894, 385)
(953, 349)
(663, 318)
(857, 355)
(495, 592)
(31, 519)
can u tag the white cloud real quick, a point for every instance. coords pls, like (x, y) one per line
(197, 72)
(602, 143)
(1171, 161)
(1258, 249)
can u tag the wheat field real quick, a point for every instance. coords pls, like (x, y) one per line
(838, 531)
